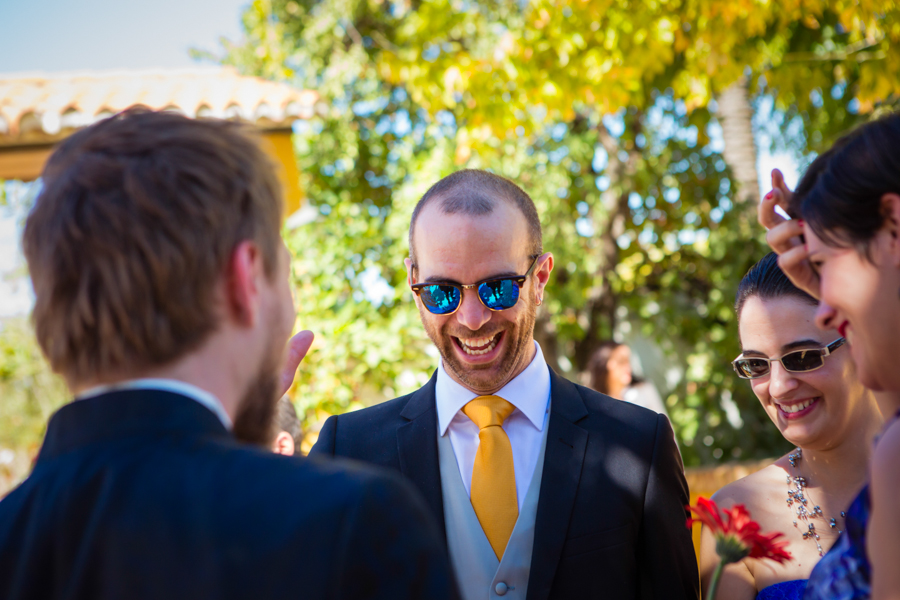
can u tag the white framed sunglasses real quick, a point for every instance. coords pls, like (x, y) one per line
(798, 361)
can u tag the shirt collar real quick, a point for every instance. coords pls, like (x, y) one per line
(165, 385)
(529, 392)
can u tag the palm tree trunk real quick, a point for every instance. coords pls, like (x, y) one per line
(735, 114)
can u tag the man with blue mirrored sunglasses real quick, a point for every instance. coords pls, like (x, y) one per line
(545, 489)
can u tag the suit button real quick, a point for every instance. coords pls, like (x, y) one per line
(501, 589)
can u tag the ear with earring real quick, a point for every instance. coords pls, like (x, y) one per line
(540, 300)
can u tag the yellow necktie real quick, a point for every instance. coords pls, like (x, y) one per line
(493, 477)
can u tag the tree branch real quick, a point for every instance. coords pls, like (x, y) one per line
(844, 54)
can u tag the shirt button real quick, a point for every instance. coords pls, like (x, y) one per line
(501, 589)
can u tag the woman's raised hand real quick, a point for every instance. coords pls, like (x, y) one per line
(785, 237)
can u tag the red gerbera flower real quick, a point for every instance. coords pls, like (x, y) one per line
(737, 537)
(707, 514)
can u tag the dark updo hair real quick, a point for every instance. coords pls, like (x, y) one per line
(766, 280)
(840, 194)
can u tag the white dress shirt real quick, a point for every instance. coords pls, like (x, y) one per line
(165, 385)
(529, 392)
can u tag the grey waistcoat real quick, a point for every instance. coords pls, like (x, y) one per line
(480, 575)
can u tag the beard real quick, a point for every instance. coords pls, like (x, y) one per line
(254, 422)
(488, 378)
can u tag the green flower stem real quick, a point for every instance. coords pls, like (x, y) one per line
(714, 582)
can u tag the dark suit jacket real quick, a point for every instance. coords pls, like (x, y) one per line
(611, 513)
(144, 494)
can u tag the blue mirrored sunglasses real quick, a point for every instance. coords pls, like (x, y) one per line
(501, 293)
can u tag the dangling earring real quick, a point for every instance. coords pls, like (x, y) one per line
(540, 300)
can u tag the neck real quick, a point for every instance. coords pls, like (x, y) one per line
(837, 469)
(888, 403)
(200, 369)
(616, 390)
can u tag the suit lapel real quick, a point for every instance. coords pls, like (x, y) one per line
(417, 447)
(566, 444)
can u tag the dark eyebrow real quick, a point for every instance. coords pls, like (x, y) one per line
(804, 344)
(439, 279)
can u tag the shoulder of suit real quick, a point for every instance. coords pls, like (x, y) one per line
(248, 475)
(605, 406)
(334, 476)
(378, 412)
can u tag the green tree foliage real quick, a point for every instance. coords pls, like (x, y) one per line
(603, 111)
(30, 391)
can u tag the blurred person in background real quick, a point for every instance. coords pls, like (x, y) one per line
(806, 381)
(162, 297)
(842, 246)
(611, 373)
(287, 428)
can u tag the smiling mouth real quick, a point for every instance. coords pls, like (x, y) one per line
(792, 409)
(479, 346)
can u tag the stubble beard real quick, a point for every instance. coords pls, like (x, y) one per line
(517, 336)
(254, 422)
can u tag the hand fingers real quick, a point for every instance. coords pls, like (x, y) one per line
(790, 259)
(785, 236)
(779, 184)
(795, 264)
(777, 178)
(766, 214)
(297, 348)
(779, 198)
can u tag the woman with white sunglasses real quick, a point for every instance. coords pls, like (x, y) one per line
(807, 384)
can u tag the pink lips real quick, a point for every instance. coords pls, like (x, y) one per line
(843, 329)
(800, 413)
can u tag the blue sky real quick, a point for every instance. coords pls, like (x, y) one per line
(68, 35)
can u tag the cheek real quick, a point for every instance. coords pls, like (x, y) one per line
(760, 387)
(833, 288)
(850, 285)
(443, 326)
(822, 382)
(832, 293)
(506, 318)
(432, 322)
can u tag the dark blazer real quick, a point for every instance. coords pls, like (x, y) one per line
(611, 513)
(144, 494)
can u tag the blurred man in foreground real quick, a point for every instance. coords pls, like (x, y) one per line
(162, 297)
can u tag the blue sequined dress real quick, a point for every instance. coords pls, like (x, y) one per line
(844, 572)
(784, 590)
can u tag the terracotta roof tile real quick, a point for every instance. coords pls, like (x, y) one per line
(37, 107)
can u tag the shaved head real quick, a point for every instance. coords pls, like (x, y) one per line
(476, 193)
